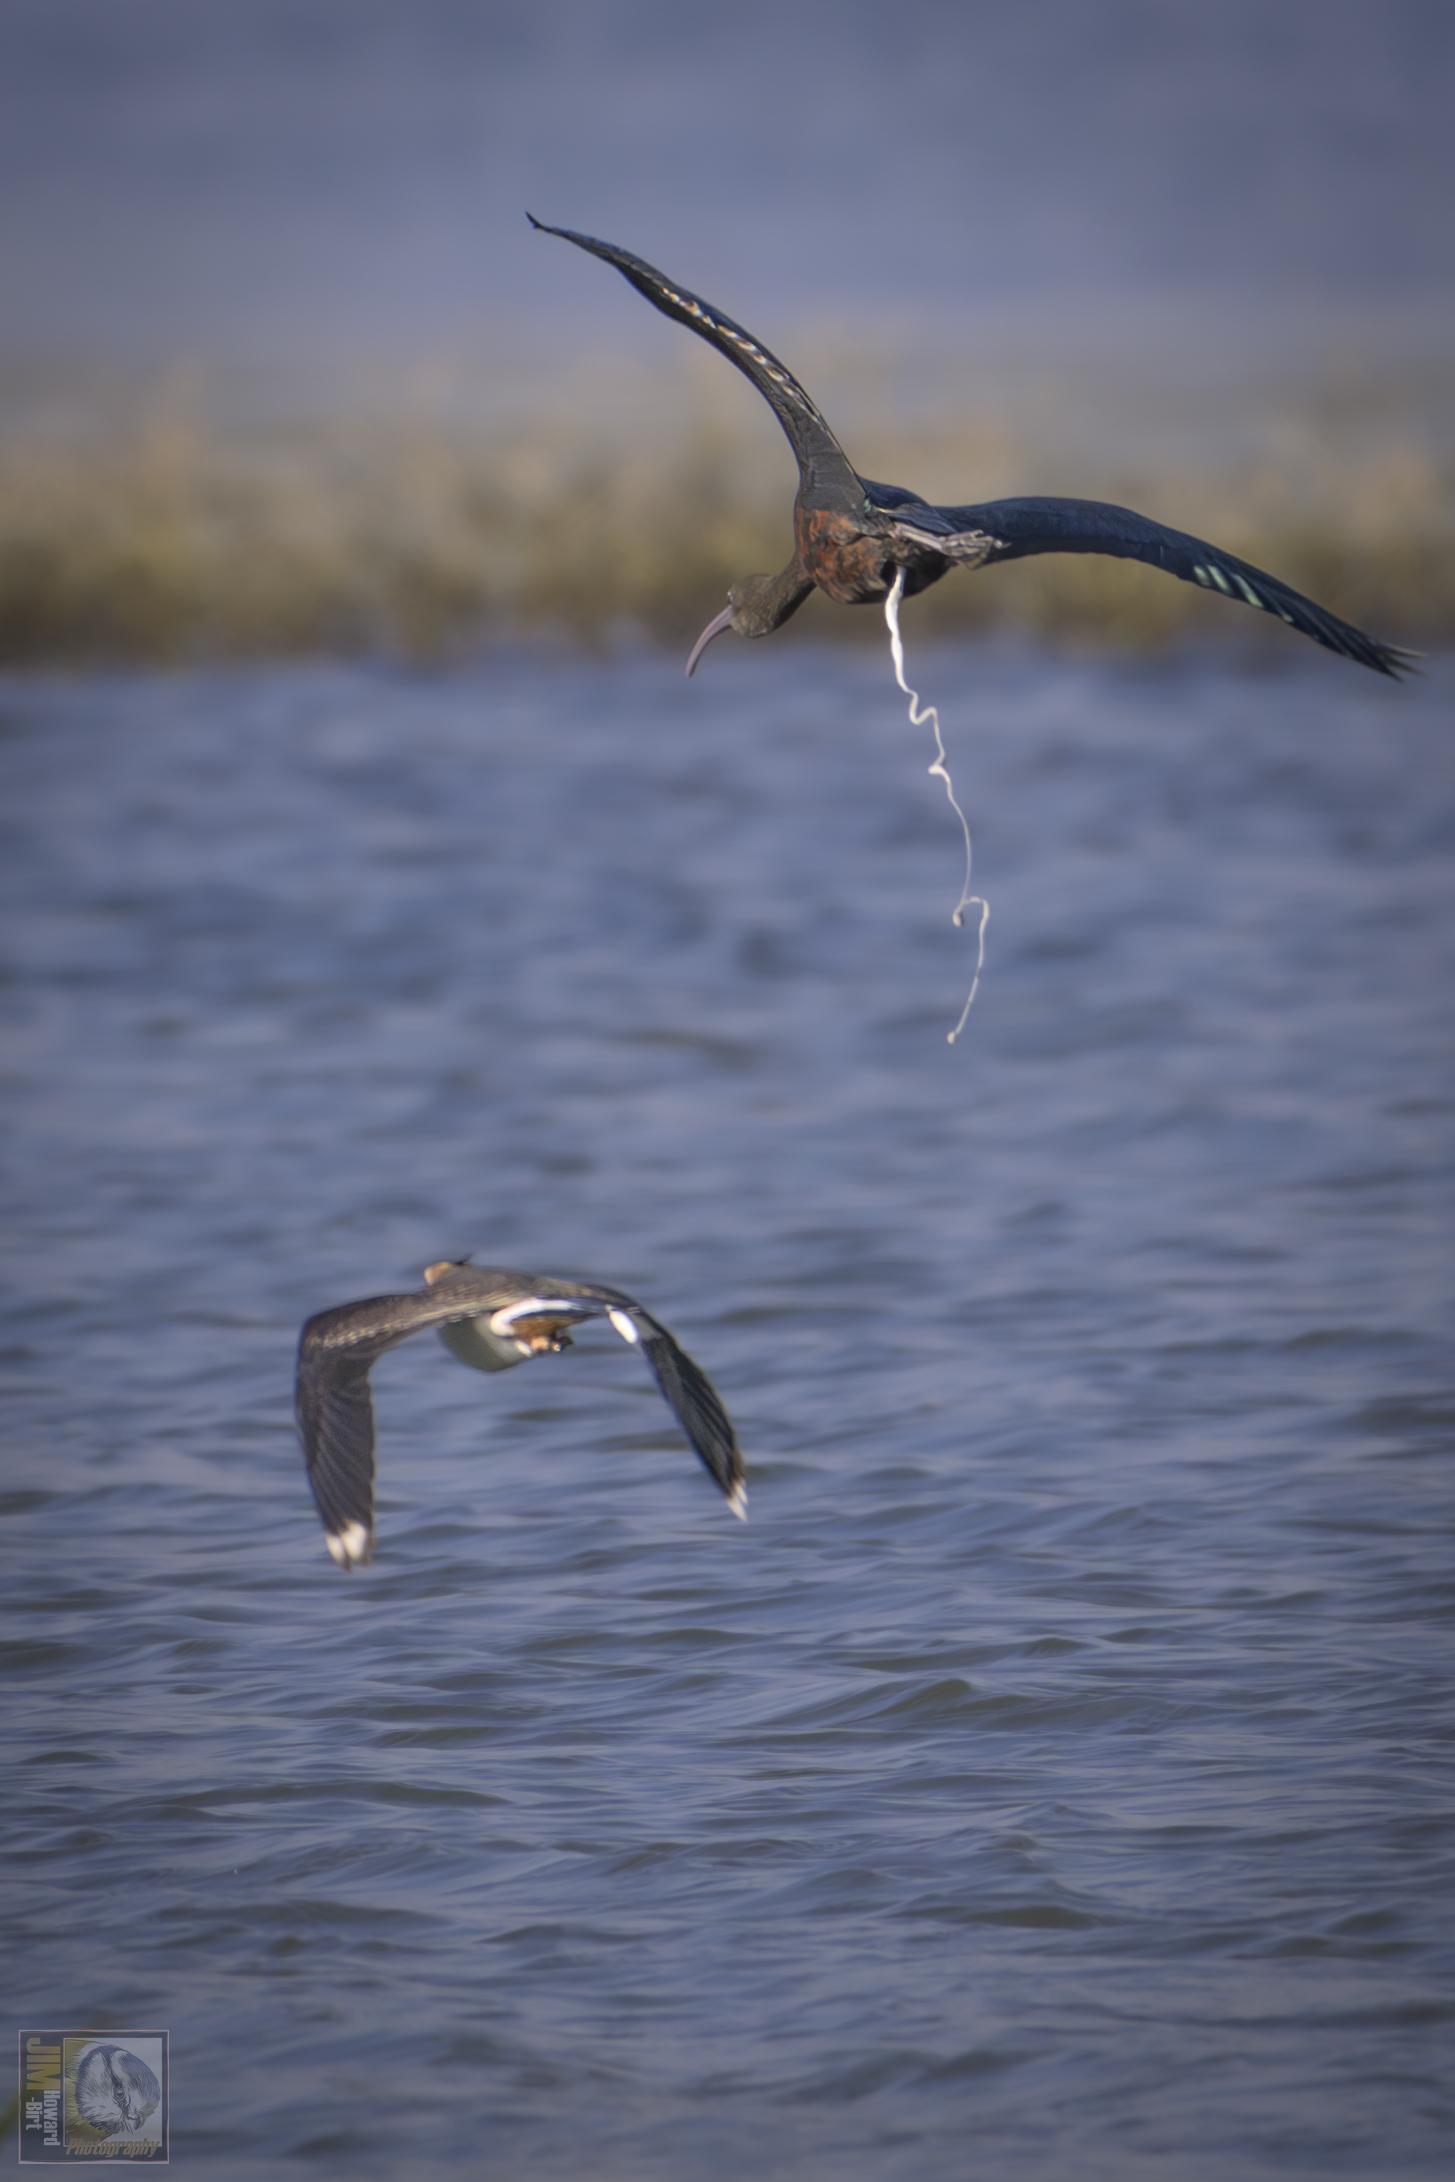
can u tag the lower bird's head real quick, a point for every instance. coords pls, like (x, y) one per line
(540, 1336)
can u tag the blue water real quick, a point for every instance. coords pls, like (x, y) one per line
(1053, 1777)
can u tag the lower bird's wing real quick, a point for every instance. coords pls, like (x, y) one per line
(335, 1410)
(688, 1392)
(1008, 530)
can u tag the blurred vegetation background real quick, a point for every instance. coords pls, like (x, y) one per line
(161, 522)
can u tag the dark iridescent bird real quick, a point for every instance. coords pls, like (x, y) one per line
(489, 1319)
(851, 536)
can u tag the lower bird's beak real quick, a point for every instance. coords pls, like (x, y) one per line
(715, 627)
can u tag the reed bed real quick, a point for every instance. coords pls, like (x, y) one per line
(172, 539)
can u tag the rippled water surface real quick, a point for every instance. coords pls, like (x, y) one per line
(1052, 1778)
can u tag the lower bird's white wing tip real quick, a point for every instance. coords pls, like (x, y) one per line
(737, 1501)
(348, 1546)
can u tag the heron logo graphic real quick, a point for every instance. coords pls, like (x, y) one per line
(98, 2096)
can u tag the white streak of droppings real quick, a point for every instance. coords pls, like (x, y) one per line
(737, 1501)
(624, 1327)
(920, 716)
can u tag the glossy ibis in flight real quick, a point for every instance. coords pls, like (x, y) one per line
(490, 1319)
(852, 536)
